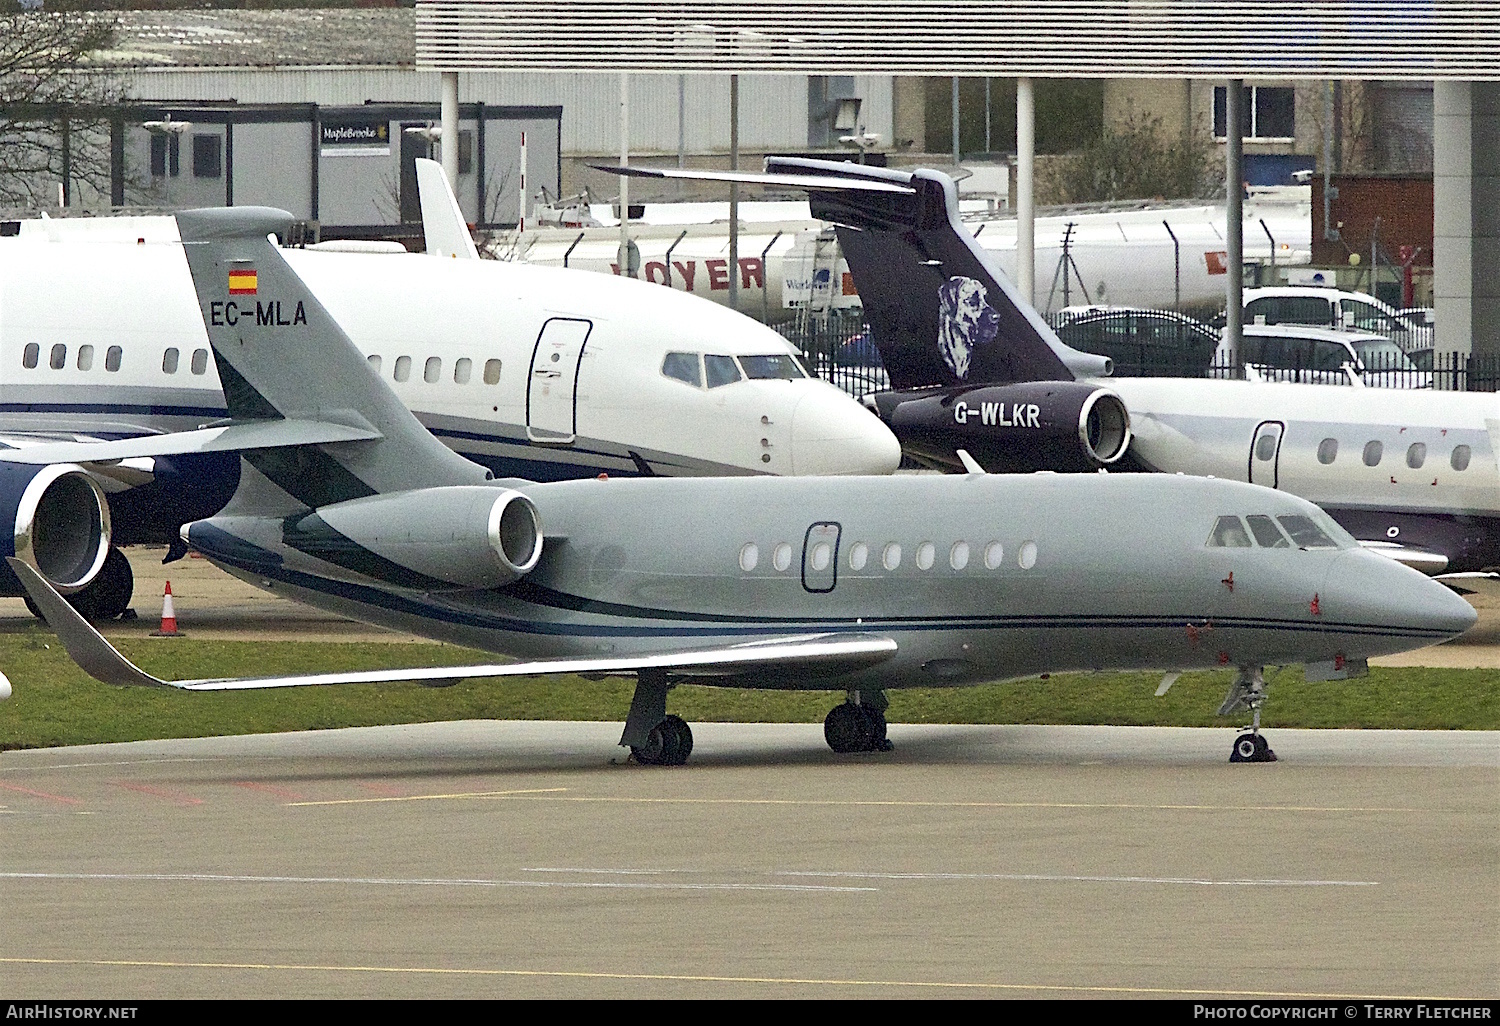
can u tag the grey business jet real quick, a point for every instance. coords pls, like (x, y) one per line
(857, 584)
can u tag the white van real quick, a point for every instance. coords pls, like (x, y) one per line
(1332, 308)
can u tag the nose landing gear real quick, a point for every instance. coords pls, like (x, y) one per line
(1248, 692)
(858, 725)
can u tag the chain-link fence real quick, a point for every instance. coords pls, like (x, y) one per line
(838, 348)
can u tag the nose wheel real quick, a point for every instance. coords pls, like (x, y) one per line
(1248, 692)
(856, 726)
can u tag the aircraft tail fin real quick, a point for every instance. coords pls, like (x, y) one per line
(443, 226)
(941, 311)
(282, 356)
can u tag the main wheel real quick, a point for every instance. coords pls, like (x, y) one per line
(847, 729)
(113, 588)
(684, 736)
(875, 723)
(1251, 748)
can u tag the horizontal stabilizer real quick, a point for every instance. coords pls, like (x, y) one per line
(819, 654)
(823, 182)
(246, 435)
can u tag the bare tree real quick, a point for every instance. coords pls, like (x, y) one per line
(1136, 160)
(54, 127)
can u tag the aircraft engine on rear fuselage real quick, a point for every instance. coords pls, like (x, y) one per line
(60, 523)
(458, 537)
(1016, 428)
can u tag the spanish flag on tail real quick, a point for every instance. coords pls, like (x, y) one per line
(242, 281)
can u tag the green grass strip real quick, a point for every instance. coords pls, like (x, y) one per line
(56, 704)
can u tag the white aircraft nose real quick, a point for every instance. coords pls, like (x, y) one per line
(1368, 588)
(833, 434)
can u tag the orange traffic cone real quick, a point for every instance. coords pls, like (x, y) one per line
(168, 617)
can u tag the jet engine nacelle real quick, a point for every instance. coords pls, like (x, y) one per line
(60, 522)
(1016, 428)
(463, 536)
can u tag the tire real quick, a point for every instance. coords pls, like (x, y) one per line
(113, 588)
(662, 747)
(1251, 748)
(683, 735)
(847, 730)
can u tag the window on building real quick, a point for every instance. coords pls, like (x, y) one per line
(1268, 112)
(208, 156)
(465, 152)
(166, 155)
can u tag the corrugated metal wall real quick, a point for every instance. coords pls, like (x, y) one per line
(773, 108)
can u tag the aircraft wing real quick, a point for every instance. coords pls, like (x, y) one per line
(821, 183)
(263, 434)
(1430, 563)
(817, 654)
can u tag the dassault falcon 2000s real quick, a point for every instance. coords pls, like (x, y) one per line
(532, 372)
(1411, 473)
(855, 583)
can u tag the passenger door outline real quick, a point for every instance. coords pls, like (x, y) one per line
(552, 380)
(1258, 472)
(821, 581)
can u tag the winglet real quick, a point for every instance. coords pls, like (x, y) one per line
(97, 657)
(443, 225)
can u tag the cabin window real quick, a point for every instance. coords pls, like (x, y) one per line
(1328, 451)
(463, 368)
(112, 359)
(749, 556)
(30, 355)
(374, 362)
(891, 557)
(492, 372)
(822, 553)
(994, 555)
(1267, 534)
(684, 367)
(926, 553)
(1305, 533)
(169, 361)
(59, 357)
(403, 368)
(859, 555)
(781, 558)
(1460, 460)
(1229, 533)
(1416, 455)
(1373, 452)
(85, 358)
(433, 370)
(720, 370)
(1027, 558)
(958, 556)
(1265, 448)
(200, 361)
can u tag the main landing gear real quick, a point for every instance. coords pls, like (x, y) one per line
(1248, 692)
(107, 596)
(858, 725)
(653, 737)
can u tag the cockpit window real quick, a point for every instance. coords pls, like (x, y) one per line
(720, 370)
(1267, 534)
(1305, 533)
(1229, 533)
(776, 365)
(683, 367)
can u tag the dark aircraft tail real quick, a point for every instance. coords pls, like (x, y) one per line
(940, 311)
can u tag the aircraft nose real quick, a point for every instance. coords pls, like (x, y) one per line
(1368, 588)
(834, 434)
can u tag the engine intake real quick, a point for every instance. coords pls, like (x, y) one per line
(456, 537)
(62, 527)
(1017, 428)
